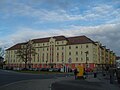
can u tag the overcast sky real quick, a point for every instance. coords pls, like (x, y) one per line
(21, 20)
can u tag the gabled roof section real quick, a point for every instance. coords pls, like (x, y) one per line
(60, 38)
(41, 40)
(14, 47)
(79, 40)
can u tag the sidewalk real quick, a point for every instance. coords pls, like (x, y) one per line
(90, 83)
(105, 82)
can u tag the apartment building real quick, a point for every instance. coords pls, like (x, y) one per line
(59, 51)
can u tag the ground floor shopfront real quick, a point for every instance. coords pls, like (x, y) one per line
(71, 66)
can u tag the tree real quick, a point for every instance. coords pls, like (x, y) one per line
(25, 52)
(1, 57)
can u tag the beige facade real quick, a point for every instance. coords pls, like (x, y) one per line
(59, 50)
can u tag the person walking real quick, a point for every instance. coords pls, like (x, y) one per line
(111, 72)
(75, 73)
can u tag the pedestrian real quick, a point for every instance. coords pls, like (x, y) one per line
(118, 75)
(75, 73)
(95, 73)
(84, 74)
(111, 72)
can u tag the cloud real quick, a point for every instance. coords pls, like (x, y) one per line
(97, 12)
(59, 11)
(107, 34)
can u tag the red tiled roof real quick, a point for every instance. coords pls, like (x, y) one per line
(41, 40)
(59, 38)
(71, 40)
(14, 47)
(79, 40)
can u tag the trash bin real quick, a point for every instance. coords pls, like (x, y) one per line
(95, 75)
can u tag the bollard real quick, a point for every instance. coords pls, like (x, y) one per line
(111, 80)
(95, 75)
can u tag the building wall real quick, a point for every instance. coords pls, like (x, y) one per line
(59, 53)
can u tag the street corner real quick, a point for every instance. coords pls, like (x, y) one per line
(35, 84)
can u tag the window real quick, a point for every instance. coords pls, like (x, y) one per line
(69, 47)
(81, 46)
(81, 59)
(76, 53)
(69, 53)
(81, 52)
(76, 58)
(76, 46)
(57, 57)
(38, 57)
(57, 48)
(87, 58)
(43, 44)
(47, 49)
(47, 56)
(57, 53)
(86, 46)
(43, 49)
(87, 52)
(62, 48)
(57, 42)
(62, 56)
(34, 58)
(43, 57)
(62, 53)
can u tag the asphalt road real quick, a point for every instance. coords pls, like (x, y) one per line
(7, 77)
(77, 85)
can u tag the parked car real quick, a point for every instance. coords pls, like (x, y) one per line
(35, 69)
(24, 69)
(51, 69)
(44, 69)
(56, 69)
